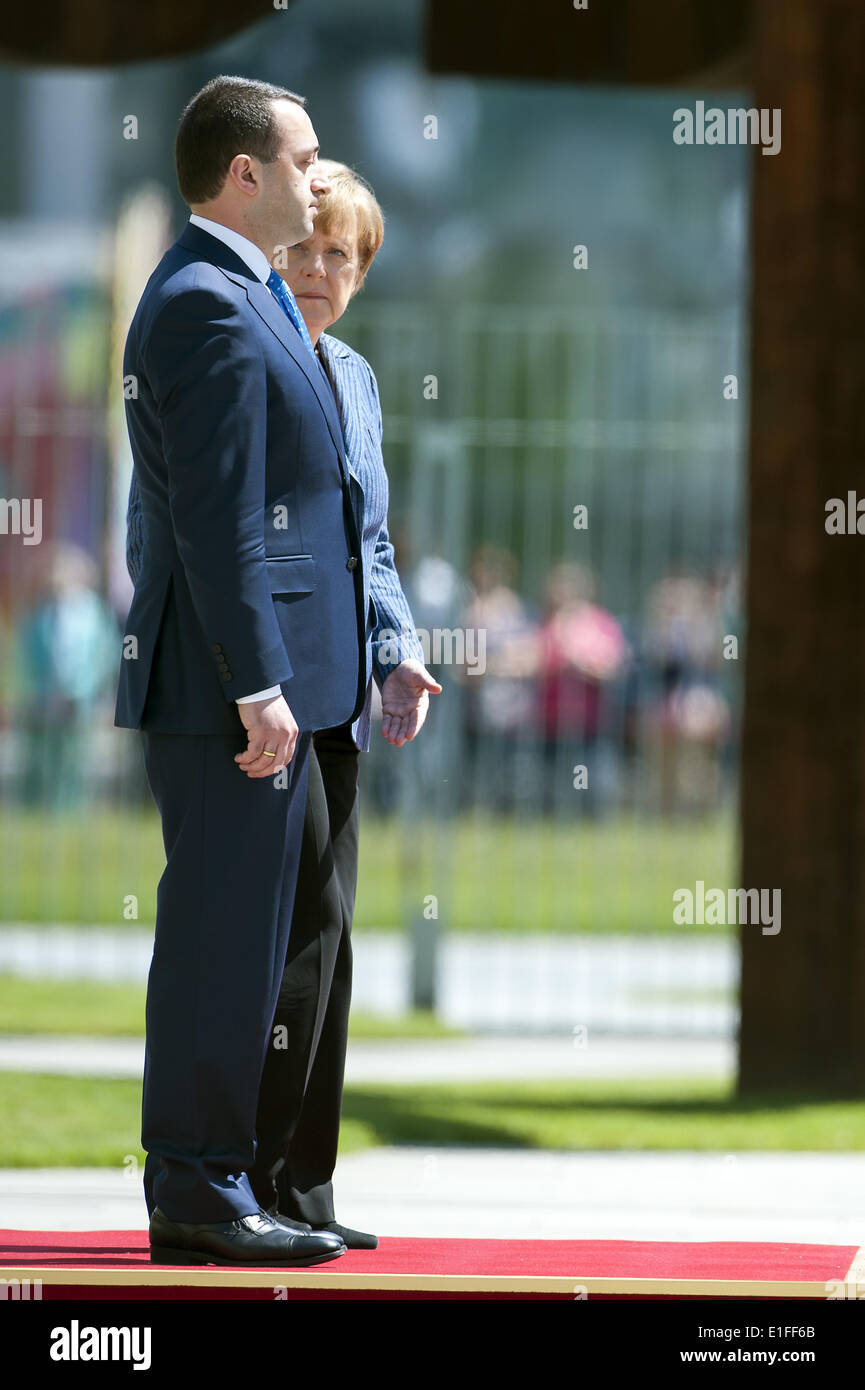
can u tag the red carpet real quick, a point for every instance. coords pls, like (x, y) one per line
(115, 1264)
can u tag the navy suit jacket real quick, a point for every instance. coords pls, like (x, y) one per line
(250, 567)
(390, 635)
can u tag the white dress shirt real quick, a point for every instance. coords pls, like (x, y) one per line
(254, 257)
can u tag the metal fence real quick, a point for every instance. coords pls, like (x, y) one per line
(566, 512)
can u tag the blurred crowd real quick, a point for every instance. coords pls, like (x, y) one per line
(581, 709)
(566, 707)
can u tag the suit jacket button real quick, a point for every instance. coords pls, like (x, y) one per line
(351, 562)
(226, 675)
(216, 648)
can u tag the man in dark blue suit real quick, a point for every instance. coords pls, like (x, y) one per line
(246, 634)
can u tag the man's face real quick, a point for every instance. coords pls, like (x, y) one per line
(292, 184)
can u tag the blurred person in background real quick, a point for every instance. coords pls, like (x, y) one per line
(429, 781)
(65, 660)
(500, 700)
(687, 718)
(727, 585)
(581, 648)
(300, 1097)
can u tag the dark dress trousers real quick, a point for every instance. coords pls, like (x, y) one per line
(300, 1100)
(250, 576)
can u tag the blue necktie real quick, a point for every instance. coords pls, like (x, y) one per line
(276, 283)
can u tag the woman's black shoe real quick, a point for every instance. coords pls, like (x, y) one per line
(354, 1240)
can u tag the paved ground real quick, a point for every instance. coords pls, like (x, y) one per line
(451, 1059)
(810, 1198)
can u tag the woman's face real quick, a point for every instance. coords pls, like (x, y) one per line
(321, 272)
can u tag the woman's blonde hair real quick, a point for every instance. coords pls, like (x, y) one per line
(351, 193)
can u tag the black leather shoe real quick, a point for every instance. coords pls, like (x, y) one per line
(354, 1240)
(255, 1239)
(302, 1226)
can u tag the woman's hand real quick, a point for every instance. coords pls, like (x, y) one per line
(405, 701)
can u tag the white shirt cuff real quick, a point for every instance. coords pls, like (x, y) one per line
(262, 695)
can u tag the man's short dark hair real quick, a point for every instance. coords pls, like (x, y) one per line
(229, 116)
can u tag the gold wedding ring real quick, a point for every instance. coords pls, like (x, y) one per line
(268, 755)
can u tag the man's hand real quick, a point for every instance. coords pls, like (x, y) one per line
(405, 701)
(270, 725)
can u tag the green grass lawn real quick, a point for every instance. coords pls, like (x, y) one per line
(87, 1008)
(496, 875)
(53, 1121)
